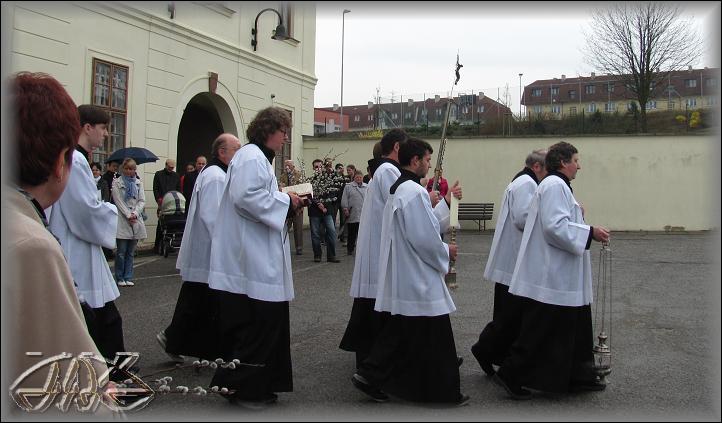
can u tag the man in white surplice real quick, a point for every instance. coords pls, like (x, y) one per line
(412, 263)
(192, 330)
(250, 266)
(364, 323)
(84, 224)
(553, 277)
(496, 338)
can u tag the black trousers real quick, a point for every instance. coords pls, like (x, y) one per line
(194, 328)
(363, 327)
(553, 349)
(257, 334)
(352, 236)
(106, 328)
(414, 358)
(496, 338)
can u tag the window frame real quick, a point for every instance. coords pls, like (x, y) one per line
(102, 153)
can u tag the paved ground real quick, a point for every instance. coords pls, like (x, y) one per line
(665, 340)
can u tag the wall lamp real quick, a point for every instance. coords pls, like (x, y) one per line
(279, 34)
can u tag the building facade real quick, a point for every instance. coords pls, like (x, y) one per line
(560, 97)
(465, 109)
(173, 75)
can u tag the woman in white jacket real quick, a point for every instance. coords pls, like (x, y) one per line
(130, 199)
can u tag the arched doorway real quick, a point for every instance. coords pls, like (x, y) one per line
(204, 118)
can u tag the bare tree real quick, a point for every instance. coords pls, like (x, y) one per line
(641, 43)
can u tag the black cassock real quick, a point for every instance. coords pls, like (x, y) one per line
(256, 333)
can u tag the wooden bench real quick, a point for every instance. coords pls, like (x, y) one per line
(480, 212)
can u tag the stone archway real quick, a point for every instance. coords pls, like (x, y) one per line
(200, 124)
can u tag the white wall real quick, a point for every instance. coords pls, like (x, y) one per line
(169, 62)
(625, 183)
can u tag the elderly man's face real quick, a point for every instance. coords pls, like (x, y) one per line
(169, 165)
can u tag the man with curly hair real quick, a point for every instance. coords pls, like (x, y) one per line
(250, 267)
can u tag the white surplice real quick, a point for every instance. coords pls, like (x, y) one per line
(250, 252)
(366, 264)
(83, 223)
(413, 259)
(553, 265)
(509, 229)
(194, 257)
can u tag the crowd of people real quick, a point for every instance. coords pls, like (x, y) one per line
(240, 215)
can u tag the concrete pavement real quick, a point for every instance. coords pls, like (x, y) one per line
(665, 340)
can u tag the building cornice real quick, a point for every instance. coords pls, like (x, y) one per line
(161, 25)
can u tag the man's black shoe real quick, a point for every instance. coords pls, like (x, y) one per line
(514, 390)
(586, 385)
(333, 260)
(364, 386)
(484, 362)
(299, 252)
(256, 403)
(463, 400)
(317, 259)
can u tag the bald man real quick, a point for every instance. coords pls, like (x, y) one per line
(191, 331)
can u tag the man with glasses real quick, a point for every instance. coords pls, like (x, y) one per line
(192, 331)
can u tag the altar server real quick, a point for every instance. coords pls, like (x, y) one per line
(250, 267)
(84, 224)
(193, 329)
(414, 355)
(496, 338)
(553, 351)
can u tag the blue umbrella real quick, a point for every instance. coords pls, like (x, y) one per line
(139, 154)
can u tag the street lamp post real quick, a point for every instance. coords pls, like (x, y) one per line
(520, 95)
(343, 30)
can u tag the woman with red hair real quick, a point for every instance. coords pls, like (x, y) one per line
(39, 299)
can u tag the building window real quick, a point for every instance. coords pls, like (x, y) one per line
(690, 83)
(556, 109)
(711, 101)
(651, 104)
(536, 92)
(537, 109)
(610, 87)
(370, 118)
(110, 92)
(710, 82)
(610, 107)
(573, 111)
(591, 108)
(407, 116)
(590, 89)
(691, 102)
(572, 94)
(394, 116)
(555, 90)
(480, 109)
(438, 112)
(357, 118)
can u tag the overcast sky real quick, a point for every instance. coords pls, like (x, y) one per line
(410, 48)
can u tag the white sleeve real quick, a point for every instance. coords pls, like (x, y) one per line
(252, 199)
(558, 228)
(418, 220)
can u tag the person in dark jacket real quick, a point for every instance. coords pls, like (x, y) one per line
(164, 180)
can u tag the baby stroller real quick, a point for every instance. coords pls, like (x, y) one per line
(172, 221)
